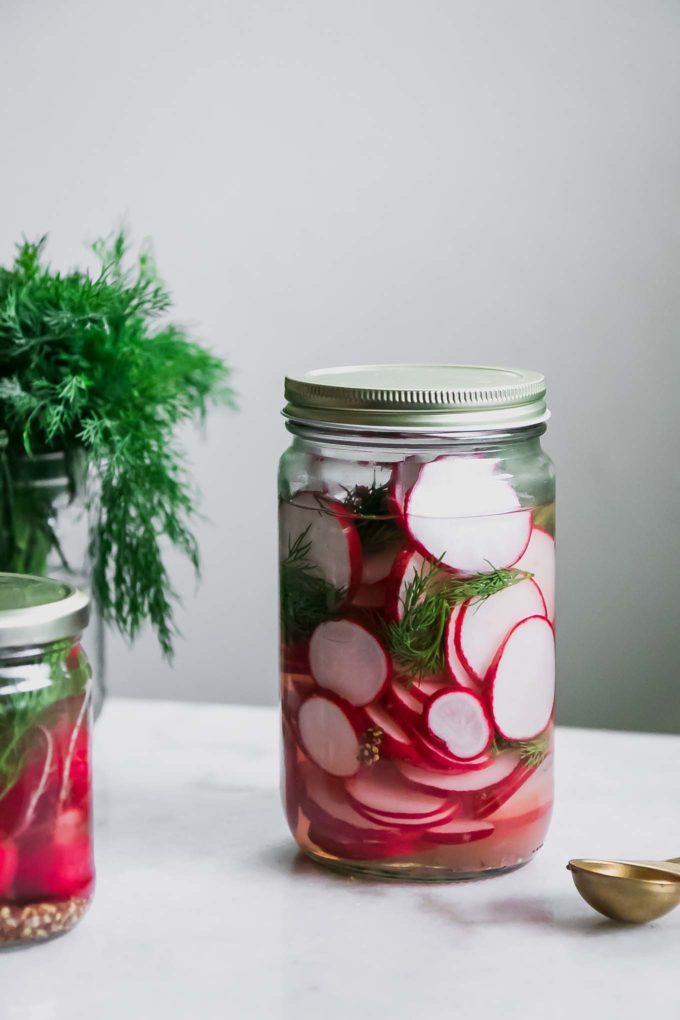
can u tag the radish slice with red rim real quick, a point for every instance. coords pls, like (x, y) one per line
(459, 720)
(325, 801)
(527, 791)
(407, 564)
(461, 511)
(459, 832)
(382, 791)
(404, 476)
(404, 703)
(496, 771)
(441, 817)
(395, 741)
(454, 664)
(326, 526)
(521, 680)
(539, 560)
(425, 689)
(344, 657)
(482, 624)
(328, 736)
(435, 755)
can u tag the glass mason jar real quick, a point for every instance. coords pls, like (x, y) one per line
(46, 865)
(44, 531)
(417, 619)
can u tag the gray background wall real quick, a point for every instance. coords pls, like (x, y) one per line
(367, 180)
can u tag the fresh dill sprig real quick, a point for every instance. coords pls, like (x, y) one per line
(375, 521)
(532, 752)
(307, 599)
(88, 370)
(416, 642)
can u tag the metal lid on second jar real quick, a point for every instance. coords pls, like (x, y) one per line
(38, 610)
(418, 397)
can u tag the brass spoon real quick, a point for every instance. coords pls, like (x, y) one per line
(632, 891)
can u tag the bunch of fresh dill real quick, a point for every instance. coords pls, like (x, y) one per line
(90, 369)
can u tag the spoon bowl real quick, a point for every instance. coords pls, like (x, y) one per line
(630, 891)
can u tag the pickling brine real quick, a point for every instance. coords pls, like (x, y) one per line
(418, 653)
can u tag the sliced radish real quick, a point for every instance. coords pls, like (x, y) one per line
(459, 832)
(404, 702)
(454, 664)
(346, 658)
(425, 689)
(437, 757)
(462, 512)
(377, 566)
(383, 792)
(482, 625)
(441, 817)
(335, 548)
(403, 477)
(328, 736)
(407, 564)
(496, 771)
(395, 740)
(459, 720)
(539, 560)
(326, 803)
(521, 680)
(527, 792)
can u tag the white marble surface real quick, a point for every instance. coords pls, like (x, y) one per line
(204, 910)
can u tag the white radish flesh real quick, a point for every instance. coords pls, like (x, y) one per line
(521, 680)
(328, 737)
(459, 720)
(334, 545)
(463, 512)
(495, 772)
(383, 792)
(539, 560)
(347, 659)
(482, 625)
(459, 832)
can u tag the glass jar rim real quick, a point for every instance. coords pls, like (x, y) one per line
(418, 398)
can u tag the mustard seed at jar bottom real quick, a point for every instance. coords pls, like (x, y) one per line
(416, 523)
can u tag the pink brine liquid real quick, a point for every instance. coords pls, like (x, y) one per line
(390, 767)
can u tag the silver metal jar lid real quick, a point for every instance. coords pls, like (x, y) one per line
(418, 397)
(38, 610)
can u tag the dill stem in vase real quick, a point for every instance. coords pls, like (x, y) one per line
(94, 386)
